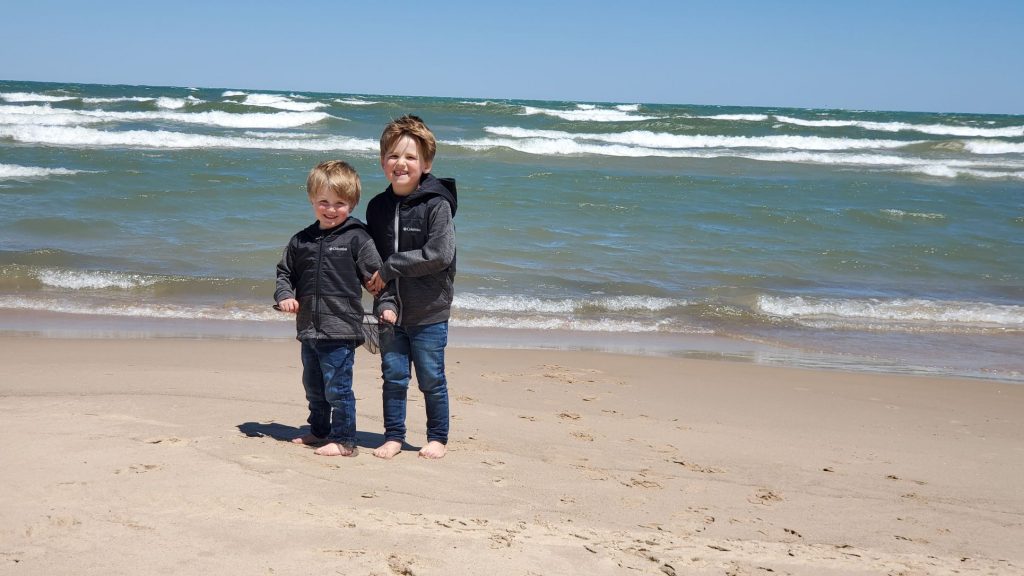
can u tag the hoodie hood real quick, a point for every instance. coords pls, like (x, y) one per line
(433, 186)
(315, 231)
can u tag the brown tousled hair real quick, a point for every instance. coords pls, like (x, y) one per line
(413, 127)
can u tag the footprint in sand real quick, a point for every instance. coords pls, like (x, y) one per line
(165, 440)
(566, 376)
(895, 477)
(344, 553)
(642, 483)
(139, 468)
(697, 467)
(765, 496)
(399, 565)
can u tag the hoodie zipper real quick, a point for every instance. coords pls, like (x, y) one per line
(398, 295)
(316, 286)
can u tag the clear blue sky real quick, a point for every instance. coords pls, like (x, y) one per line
(928, 55)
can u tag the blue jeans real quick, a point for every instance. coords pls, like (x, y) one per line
(327, 378)
(421, 347)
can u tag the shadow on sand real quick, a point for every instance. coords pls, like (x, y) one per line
(285, 433)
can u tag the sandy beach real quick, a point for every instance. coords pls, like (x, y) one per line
(170, 456)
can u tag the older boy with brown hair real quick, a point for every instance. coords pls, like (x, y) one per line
(411, 224)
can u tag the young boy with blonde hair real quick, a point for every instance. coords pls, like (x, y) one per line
(320, 279)
(412, 225)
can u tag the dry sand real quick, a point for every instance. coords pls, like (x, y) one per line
(170, 457)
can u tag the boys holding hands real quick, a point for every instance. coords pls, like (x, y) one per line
(411, 224)
(320, 279)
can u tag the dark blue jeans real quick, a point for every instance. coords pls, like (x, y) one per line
(421, 347)
(327, 378)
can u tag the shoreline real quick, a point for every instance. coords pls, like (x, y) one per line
(170, 455)
(44, 324)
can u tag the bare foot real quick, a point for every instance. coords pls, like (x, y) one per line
(309, 440)
(433, 450)
(388, 450)
(335, 449)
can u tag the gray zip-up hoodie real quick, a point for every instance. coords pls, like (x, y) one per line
(415, 236)
(324, 270)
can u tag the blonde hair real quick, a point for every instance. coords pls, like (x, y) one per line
(338, 177)
(413, 127)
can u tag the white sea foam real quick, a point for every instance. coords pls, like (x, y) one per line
(83, 280)
(32, 97)
(953, 314)
(935, 129)
(901, 215)
(628, 107)
(989, 147)
(566, 146)
(737, 117)
(288, 135)
(570, 146)
(355, 102)
(15, 171)
(944, 171)
(233, 93)
(281, 102)
(143, 310)
(118, 99)
(681, 141)
(517, 304)
(587, 115)
(43, 115)
(47, 116)
(87, 137)
(170, 103)
(575, 325)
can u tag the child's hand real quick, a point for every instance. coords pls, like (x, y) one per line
(388, 316)
(374, 285)
(288, 305)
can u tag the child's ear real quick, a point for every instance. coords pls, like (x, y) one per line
(427, 166)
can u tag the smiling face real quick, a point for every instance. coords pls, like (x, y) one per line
(403, 166)
(331, 210)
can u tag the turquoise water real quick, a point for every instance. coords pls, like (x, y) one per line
(874, 240)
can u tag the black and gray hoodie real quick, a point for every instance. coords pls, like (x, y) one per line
(415, 236)
(325, 270)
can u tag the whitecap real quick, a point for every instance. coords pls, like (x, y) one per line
(587, 114)
(281, 102)
(87, 137)
(33, 97)
(94, 280)
(989, 147)
(913, 310)
(355, 102)
(737, 117)
(170, 103)
(935, 129)
(47, 116)
(12, 171)
(682, 141)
